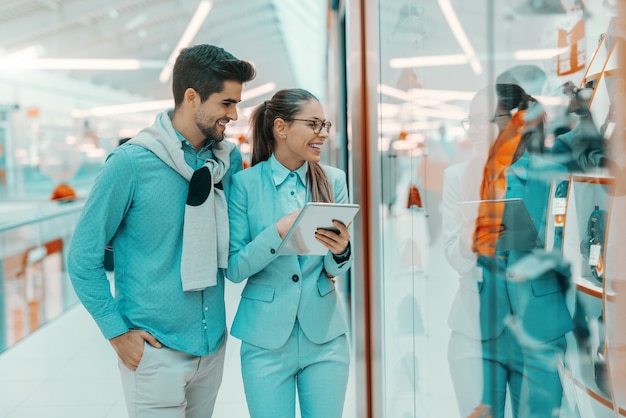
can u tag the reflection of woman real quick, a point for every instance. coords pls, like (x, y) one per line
(290, 319)
(523, 323)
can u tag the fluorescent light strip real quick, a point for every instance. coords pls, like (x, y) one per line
(190, 32)
(538, 54)
(79, 64)
(394, 92)
(258, 91)
(428, 61)
(28, 53)
(435, 113)
(124, 108)
(137, 107)
(446, 95)
(394, 127)
(441, 95)
(459, 33)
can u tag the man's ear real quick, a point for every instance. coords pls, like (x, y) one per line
(191, 97)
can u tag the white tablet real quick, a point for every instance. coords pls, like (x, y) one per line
(517, 230)
(300, 238)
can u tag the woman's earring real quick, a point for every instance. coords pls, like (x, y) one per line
(284, 136)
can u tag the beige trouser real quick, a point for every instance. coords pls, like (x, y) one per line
(172, 384)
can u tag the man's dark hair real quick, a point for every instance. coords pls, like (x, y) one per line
(205, 68)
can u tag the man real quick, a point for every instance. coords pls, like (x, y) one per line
(160, 201)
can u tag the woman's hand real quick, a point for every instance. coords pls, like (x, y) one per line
(336, 240)
(284, 224)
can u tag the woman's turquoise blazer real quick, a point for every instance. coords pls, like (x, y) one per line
(279, 288)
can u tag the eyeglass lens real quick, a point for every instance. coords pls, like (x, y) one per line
(319, 125)
(465, 123)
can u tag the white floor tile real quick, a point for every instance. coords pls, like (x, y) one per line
(90, 411)
(67, 369)
(118, 410)
(29, 369)
(14, 393)
(6, 410)
(92, 391)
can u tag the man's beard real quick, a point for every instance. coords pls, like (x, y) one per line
(210, 133)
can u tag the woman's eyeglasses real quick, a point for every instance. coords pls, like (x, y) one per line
(317, 125)
(501, 115)
(465, 123)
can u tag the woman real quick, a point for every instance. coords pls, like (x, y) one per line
(290, 318)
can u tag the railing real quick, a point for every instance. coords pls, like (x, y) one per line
(34, 285)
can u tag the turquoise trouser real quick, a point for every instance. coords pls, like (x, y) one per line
(319, 372)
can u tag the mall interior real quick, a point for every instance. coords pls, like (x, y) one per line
(450, 118)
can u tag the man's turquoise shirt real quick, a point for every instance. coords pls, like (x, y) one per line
(138, 203)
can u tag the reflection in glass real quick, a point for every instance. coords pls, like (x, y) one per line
(465, 115)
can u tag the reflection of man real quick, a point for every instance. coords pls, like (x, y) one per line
(461, 182)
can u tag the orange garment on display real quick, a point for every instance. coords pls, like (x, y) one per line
(414, 197)
(63, 192)
(494, 184)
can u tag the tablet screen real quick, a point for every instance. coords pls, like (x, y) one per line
(300, 238)
(517, 230)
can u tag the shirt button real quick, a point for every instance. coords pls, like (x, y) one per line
(291, 174)
(205, 327)
(273, 251)
(204, 321)
(295, 278)
(292, 192)
(206, 308)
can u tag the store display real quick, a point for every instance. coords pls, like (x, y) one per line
(592, 245)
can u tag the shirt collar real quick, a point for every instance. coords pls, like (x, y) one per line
(208, 144)
(280, 172)
(181, 137)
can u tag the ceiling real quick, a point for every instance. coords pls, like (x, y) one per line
(149, 30)
(285, 39)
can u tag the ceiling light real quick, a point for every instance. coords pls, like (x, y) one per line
(394, 92)
(190, 32)
(258, 91)
(459, 34)
(124, 108)
(441, 95)
(538, 54)
(30, 52)
(135, 22)
(137, 107)
(428, 61)
(436, 113)
(447, 95)
(78, 64)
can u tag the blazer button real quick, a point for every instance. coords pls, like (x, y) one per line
(295, 278)
(273, 251)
